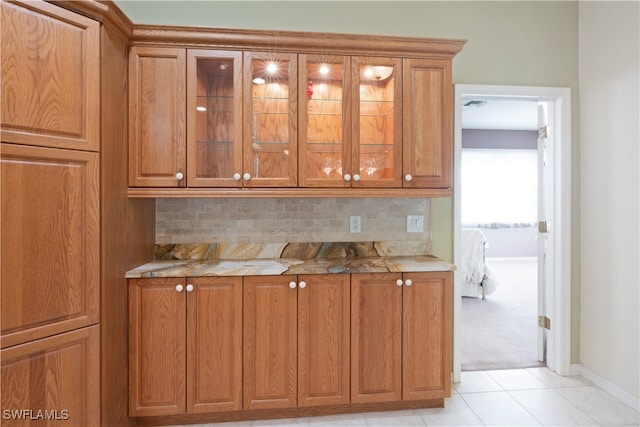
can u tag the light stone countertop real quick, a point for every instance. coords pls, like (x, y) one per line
(289, 266)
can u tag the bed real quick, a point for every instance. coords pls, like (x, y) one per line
(477, 278)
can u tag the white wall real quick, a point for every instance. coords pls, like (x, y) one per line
(609, 113)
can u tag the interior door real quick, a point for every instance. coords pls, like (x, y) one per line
(543, 227)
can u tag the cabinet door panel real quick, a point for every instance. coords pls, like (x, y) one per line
(270, 119)
(323, 340)
(214, 118)
(376, 338)
(60, 375)
(50, 77)
(377, 122)
(324, 133)
(157, 115)
(427, 123)
(157, 334)
(270, 344)
(50, 241)
(426, 342)
(214, 344)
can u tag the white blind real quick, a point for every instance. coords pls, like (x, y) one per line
(499, 186)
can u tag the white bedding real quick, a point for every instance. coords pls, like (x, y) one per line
(477, 278)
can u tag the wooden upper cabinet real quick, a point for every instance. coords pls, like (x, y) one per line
(350, 131)
(428, 126)
(157, 117)
(324, 134)
(50, 76)
(50, 241)
(377, 127)
(214, 118)
(270, 114)
(297, 123)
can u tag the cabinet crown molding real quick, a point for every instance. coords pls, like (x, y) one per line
(294, 41)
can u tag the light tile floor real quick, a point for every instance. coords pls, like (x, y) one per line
(514, 397)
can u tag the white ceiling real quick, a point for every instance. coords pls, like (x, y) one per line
(500, 114)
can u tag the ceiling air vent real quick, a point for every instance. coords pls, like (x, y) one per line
(474, 103)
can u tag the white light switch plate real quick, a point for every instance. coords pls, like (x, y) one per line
(415, 223)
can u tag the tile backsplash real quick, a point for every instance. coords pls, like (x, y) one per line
(282, 220)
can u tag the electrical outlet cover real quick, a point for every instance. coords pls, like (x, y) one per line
(355, 224)
(415, 223)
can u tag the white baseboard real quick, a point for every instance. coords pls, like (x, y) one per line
(606, 385)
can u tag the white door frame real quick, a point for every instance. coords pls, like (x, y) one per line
(559, 218)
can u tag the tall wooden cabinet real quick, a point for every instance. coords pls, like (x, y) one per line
(50, 211)
(64, 181)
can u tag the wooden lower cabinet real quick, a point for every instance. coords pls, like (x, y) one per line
(53, 381)
(271, 344)
(214, 344)
(184, 345)
(323, 340)
(296, 341)
(400, 336)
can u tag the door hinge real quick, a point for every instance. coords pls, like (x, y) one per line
(544, 132)
(543, 227)
(544, 322)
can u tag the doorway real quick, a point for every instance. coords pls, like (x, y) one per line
(500, 193)
(555, 276)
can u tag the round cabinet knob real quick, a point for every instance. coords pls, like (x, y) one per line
(179, 176)
(179, 288)
(303, 284)
(408, 177)
(356, 177)
(347, 177)
(292, 285)
(399, 282)
(189, 287)
(246, 176)
(407, 282)
(237, 176)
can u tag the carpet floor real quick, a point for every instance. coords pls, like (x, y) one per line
(501, 331)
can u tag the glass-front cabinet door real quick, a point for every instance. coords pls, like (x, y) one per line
(270, 119)
(377, 126)
(214, 118)
(325, 121)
